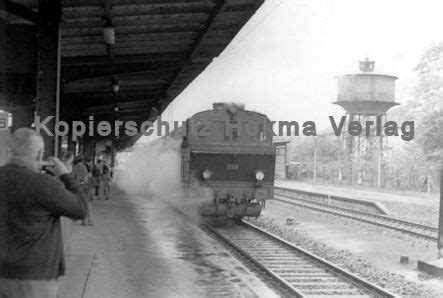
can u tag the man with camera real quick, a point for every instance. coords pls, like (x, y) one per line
(31, 203)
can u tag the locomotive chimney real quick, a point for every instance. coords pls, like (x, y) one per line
(225, 105)
(218, 106)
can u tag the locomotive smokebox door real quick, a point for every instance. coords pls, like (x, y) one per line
(261, 194)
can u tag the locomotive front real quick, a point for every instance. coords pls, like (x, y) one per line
(229, 150)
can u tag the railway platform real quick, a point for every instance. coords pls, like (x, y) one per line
(358, 193)
(420, 207)
(141, 247)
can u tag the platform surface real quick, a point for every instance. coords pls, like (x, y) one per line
(140, 247)
(421, 207)
(359, 193)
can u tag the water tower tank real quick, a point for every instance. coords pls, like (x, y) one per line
(366, 92)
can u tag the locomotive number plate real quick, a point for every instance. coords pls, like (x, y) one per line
(232, 166)
(3, 121)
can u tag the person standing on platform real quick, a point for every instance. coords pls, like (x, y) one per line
(106, 179)
(68, 160)
(97, 172)
(31, 203)
(81, 174)
(88, 163)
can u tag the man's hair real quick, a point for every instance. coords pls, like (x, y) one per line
(25, 143)
(68, 156)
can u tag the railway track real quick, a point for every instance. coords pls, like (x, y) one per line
(408, 227)
(301, 273)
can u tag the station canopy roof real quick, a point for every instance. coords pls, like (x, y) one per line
(160, 47)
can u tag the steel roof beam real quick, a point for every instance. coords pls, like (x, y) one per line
(72, 106)
(20, 11)
(135, 58)
(68, 3)
(134, 29)
(219, 7)
(207, 26)
(121, 111)
(123, 105)
(73, 73)
(95, 97)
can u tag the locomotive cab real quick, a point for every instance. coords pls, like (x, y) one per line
(229, 152)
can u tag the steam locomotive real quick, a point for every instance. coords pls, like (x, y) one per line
(229, 151)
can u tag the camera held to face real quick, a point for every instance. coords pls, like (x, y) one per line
(47, 167)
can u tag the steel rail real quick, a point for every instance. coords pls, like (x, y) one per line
(209, 229)
(323, 278)
(427, 232)
(274, 276)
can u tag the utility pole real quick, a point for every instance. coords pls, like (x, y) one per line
(379, 164)
(380, 151)
(315, 159)
(351, 152)
(428, 179)
(440, 218)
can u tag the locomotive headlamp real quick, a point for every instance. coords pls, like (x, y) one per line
(115, 86)
(109, 32)
(259, 175)
(207, 174)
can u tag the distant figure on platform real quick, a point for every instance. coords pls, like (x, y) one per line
(31, 203)
(106, 179)
(81, 173)
(88, 164)
(97, 172)
(68, 160)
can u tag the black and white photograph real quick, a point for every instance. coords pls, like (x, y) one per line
(221, 148)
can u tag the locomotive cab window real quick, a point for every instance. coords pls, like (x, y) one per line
(234, 134)
(261, 132)
(203, 129)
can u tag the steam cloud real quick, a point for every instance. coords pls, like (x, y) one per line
(154, 171)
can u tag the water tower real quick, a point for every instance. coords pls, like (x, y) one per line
(364, 96)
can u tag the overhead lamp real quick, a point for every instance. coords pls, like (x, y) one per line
(115, 85)
(109, 32)
(115, 108)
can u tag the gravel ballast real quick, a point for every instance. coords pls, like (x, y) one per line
(354, 249)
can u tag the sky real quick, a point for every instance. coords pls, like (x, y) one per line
(285, 60)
